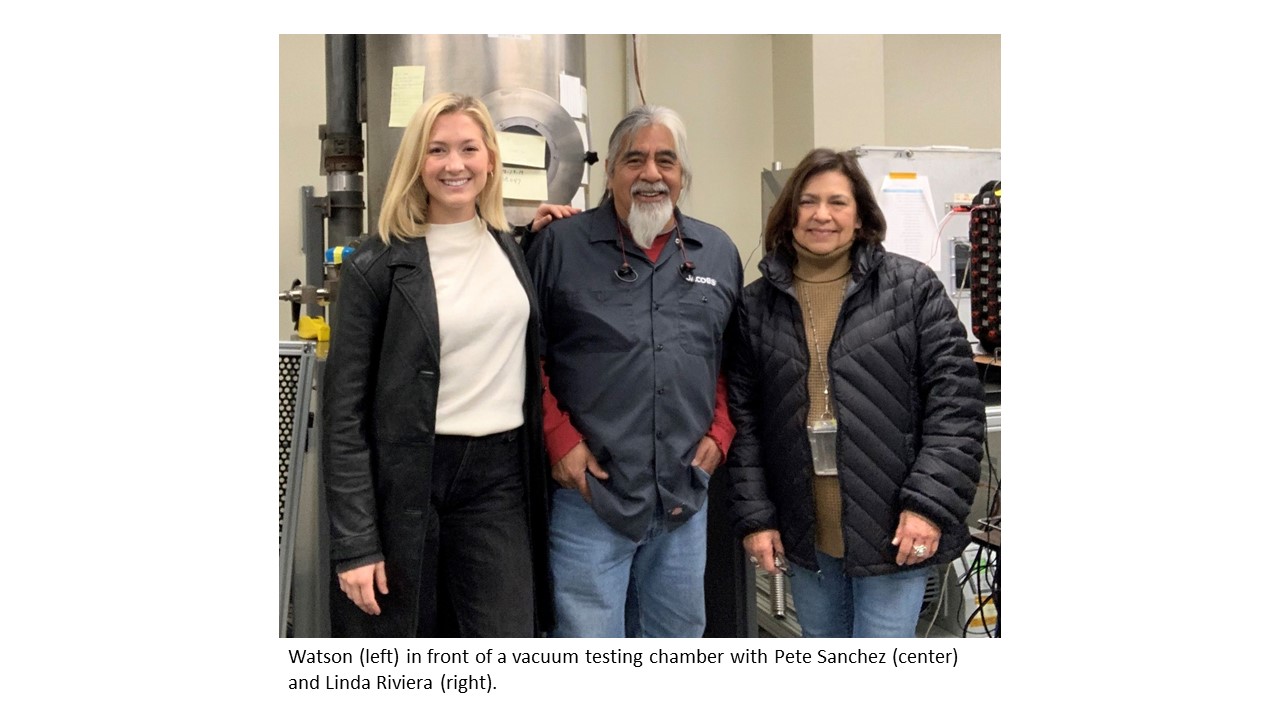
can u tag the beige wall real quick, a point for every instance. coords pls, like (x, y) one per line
(942, 90)
(747, 100)
(606, 80)
(302, 111)
(841, 91)
(792, 97)
(722, 87)
(848, 92)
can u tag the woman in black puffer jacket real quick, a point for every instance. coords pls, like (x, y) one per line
(858, 408)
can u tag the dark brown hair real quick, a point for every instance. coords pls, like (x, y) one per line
(782, 218)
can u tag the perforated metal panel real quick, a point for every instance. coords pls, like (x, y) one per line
(297, 368)
(290, 366)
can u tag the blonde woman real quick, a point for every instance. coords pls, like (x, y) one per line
(432, 449)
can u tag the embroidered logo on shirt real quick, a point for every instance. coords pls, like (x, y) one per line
(704, 280)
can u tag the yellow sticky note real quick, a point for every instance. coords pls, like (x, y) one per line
(524, 184)
(407, 82)
(522, 149)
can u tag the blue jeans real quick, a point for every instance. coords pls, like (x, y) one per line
(607, 585)
(829, 604)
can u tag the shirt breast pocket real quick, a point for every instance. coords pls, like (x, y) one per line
(702, 321)
(597, 320)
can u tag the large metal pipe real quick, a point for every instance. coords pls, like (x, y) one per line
(342, 142)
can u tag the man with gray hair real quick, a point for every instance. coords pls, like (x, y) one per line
(635, 298)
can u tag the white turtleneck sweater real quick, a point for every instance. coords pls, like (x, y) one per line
(484, 314)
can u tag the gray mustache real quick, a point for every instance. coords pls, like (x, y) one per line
(649, 187)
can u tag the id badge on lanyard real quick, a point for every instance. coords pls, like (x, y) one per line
(822, 445)
(822, 432)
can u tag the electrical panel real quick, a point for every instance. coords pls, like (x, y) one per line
(984, 263)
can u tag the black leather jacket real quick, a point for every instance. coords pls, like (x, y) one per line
(381, 382)
(908, 405)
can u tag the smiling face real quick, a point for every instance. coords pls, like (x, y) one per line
(647, 174)
(826, 214)
(455, 169)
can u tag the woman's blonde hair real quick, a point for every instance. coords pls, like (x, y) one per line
(404, 207)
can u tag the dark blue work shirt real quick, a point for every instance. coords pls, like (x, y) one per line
(634, 364)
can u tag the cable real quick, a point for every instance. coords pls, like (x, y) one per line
(993, 496)
(942, 595)
(937, 241)
(993, 486)
(983, 561)
(995, 593)
(990, 599)
(635, 61)
(982, 600)
(972, 616)
(760, 244)
(960, 583)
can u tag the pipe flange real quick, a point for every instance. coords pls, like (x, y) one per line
(537, 111)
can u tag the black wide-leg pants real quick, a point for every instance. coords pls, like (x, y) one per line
(477, 568)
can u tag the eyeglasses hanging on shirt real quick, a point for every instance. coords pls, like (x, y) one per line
(627, 274)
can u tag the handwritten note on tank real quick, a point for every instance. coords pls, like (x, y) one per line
(406, 93)
(524, 184)
(522, 149)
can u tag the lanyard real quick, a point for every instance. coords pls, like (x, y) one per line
(819, 354)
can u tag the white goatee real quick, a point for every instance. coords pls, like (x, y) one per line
(647, 219)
